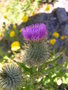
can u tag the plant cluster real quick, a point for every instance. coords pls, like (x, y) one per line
(27, 60)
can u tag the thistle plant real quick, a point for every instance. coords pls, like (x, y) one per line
(10, 77)
(38, 50)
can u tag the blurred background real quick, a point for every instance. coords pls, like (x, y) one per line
(11, 11)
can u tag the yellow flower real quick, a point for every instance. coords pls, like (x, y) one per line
(12, 33)
(56, 34)
(25, 18)
(63, 37)
(14, 27)
(1, 35)
(52, 41)
(21, 30)
(47, 8)
(15, 46)
(5, 16)
(33, 13)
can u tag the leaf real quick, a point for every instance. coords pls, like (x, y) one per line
(22, 66)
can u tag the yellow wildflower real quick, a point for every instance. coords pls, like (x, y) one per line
(21, 30)
(1, 35)
(63, 37)
(5, 16)
(52, 41)
(33, 13)
(47, 8)
(14, 27)
(56, 34)
(25, 18)
(15, 46)
(12, 33)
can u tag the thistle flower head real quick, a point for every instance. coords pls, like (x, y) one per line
(35, 32)
(10, 77)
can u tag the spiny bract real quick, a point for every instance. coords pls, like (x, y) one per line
(36, 54)
(10, 77)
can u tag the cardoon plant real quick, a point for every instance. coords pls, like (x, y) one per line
(10, 77)
(37, 50)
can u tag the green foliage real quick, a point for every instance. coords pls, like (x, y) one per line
(44, 77)
(7, 39)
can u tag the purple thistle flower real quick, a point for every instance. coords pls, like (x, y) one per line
(35, 32)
